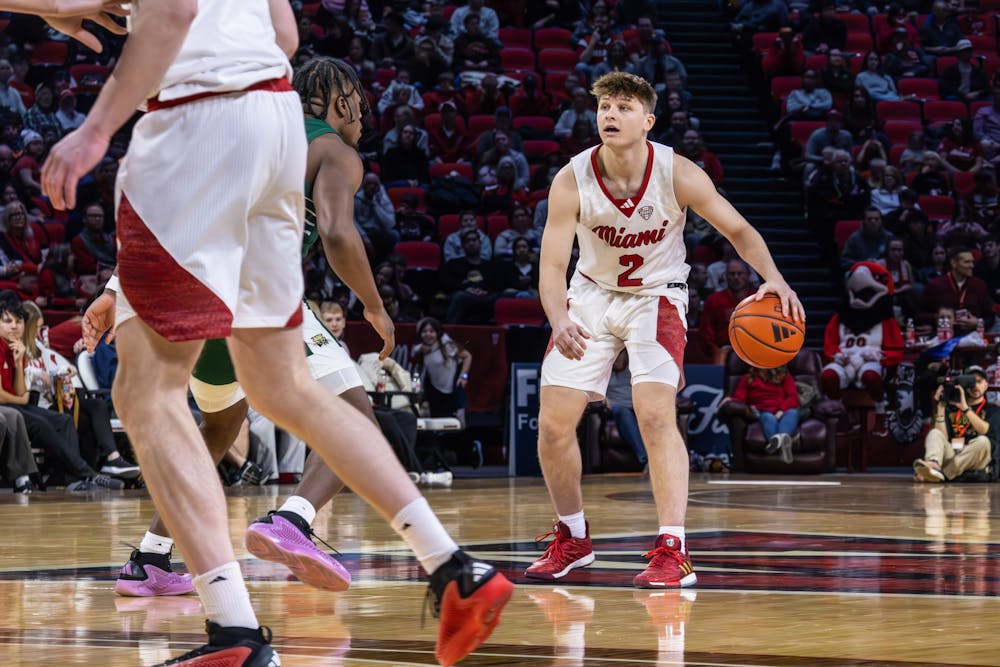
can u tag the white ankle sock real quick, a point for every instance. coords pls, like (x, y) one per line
(300, 506)
(576, 523)
(155, 544)
(676, 531)
(22, 480)
(225, 597)
(422, 531)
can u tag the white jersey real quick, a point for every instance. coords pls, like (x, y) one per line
(636, 244)
(230, 46)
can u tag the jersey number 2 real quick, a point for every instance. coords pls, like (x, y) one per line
(632, 262)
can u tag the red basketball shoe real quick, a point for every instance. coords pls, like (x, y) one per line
(564, 553)
(669, 567)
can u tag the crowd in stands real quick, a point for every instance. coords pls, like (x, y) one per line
(888, 112)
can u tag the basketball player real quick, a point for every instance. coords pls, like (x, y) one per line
(210, 208)
(625, 201)
(284, 536)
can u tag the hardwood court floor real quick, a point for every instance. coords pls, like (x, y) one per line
(820, 572)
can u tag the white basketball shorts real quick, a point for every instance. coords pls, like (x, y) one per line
(652, 328)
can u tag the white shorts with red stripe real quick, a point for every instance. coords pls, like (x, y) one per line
(651, 328)
(210, 212)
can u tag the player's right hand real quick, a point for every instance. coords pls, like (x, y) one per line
(69, 15)
(382, 323)
(570, 339)
(69, 161)
(99, 318)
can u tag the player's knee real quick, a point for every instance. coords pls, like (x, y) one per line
(553, 429)
(657, 423)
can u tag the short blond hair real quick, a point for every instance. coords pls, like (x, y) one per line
(629, 86)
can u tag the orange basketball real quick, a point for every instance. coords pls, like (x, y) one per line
(762, 336)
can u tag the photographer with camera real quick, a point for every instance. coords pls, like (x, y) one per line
(966, 429)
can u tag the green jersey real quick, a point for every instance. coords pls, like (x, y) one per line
(214, 366)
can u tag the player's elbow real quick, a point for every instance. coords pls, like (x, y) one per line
(178, 15)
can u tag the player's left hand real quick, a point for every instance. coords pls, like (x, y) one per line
(71, 14)
(382, 323)
(790, 304)
(100, 317)
(69, 160)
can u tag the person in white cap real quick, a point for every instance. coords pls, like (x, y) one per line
(964, 81)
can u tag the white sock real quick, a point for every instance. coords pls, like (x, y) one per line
(676, 531)
(422, 531)
(225, 597)
(22, 480)
(576, 523)
(300, 506)
(155, 544)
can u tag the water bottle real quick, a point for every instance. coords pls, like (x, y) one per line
(911, 333)
(415, 384)
(943, 329)
(981, 330)
(381, 381)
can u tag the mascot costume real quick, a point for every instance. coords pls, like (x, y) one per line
(863, 338)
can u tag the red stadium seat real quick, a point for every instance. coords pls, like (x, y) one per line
(703, 254)
(480, 123)
(49, 53)
(56, 231)
(854, 22)
(964, 183)
(944, 62)
(514, 57)
(553, 38)
(557, 59)
(396, 196)
(976, 106)
(448, 225)
(897, 110)
(944, 111)
(442, 169)
(991, 63)
(782, 86)
(496, 224)
(816, 62)
(801, 130)
(923, 88)
(420, 254)
(895, 153)
(89, 78)
(937, 207)
(539, 149)
(842, 231)
(898, 131)
(519, 312)
(858, 42)
(762, 41)
(540, 124)
(520, 37)
(555, 84)
(982, 43)
(384, 75)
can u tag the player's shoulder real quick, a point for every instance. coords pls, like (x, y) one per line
(337, 153)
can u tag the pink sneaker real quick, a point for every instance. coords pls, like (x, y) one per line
(284, 537)
(149, 575)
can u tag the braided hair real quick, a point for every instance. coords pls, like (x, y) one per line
(320, 81)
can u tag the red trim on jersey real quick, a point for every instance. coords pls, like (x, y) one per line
(273, 85)
(168, 298)
(619, 203)
(587, 277)
(295, 319)
(671, 334)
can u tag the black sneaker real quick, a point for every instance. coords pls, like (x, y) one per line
(467, 596)
(232, 647)
(95, 483)
(120, 467)
(250, 473)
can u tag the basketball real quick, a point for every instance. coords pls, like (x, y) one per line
(762, 336)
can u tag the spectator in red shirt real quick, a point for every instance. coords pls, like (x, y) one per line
(646, 41)
(693, 149)
(93, 248)
(448, 141)
(960, 290)
(719, 306)
(529, 100)
(771, 394)
(488, 99)
(445, 91)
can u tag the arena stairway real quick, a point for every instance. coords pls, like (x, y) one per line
(735, 128)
